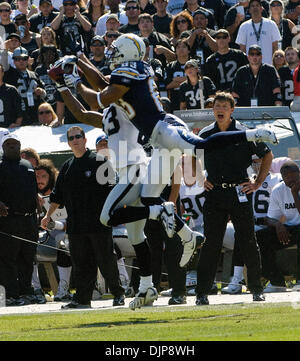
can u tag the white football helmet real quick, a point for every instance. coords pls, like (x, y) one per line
(127, 47)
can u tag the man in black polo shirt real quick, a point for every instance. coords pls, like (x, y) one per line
(256, 84)
(91, 244)
(132, 9)
(18, 204)
(229, 195)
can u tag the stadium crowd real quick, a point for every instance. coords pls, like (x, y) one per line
(196, 49)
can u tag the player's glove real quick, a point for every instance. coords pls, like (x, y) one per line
(73, 78)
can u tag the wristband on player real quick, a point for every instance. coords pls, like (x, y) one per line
(99, 100)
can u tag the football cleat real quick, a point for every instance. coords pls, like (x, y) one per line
(266, 135)
(234, 287)
(190, 247)
(167, 217)
(144, 299)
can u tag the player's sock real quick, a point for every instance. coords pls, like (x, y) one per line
(238, 272)
(145, 283)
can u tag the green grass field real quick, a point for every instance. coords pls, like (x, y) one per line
(230, 322)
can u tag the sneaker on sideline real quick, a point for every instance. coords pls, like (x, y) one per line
(234, 287)
(271, 289)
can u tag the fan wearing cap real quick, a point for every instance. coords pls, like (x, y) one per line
(259, 30)
(200, 38)
(256, 84)
(222, 65)
(71, 27)
(97, 56)
(114, 8)
(18, 206)
(192, 6)
(29, 40)
(28, 84)
(44, 18)
(196, 89)
(10, 100)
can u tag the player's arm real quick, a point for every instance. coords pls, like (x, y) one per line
(92, 74)
(78, 110)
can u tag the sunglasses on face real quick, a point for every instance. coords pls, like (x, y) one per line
(131, 8)
(278, 56)
(254, 54)
(4, 10)
(44, 112)
(222, 37)
(69, 4)
(275, 5)
(77, 136)
(21, 59)
(183, 21)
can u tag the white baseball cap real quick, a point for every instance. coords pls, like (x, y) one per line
(10, 136)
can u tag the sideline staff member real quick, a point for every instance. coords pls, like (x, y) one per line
(91, 244)
(18, 203)
(227, 179)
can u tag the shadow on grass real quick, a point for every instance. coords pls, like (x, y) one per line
(140, 321)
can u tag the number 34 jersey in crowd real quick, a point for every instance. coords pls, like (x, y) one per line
(261, 197)
(141, 102)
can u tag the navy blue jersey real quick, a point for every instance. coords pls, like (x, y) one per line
(141, 102)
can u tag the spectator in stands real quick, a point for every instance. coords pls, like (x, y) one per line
(200, 38)
(217, 8)
(284, 202)
(48, 55)
(29, 40)
(180, 23)
(31, 155)
(23, 7)
(97, 55)
(238, 14)
(256, 83)
(112, 22)
(48, 37)
(160, 44)
(191, 6)
(295, 104)
(147, 7)
(10, 104)
(285, 26)
(5, 20)
(222, 65)
(95, 9)
(91, 244)
(71, 27)
(29, 86)
(12, 42)
(114, 8)
(292, 11)
(133, 11)
(196, 89)
(259, 30)
(18, 209)
(162, 19)
(175, 75)
(278, 59)
(110, 36)
(286, 75)
(44, 18)
(47, 115)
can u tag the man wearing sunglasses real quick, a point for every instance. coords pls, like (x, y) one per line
(28, 84)
(98, 58)
(44, 18)
(91, 244)
(132, 9)
(110, 36)
(5, 11)
(256, 84)
(222, 65)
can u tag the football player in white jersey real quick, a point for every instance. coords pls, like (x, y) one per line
(131, 83)
(260, 202)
